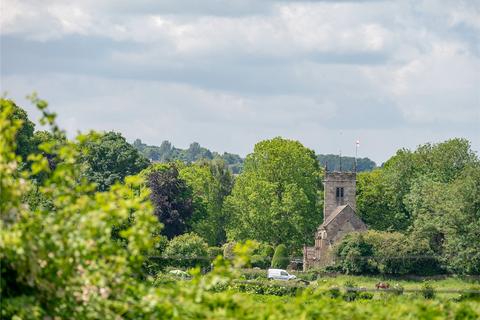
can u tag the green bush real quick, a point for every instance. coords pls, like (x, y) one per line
(472, 294)
(268, 287)
(365, 295)
(251, 274)
(280, 257)
(187, 250)
(374, 252)
(260, 254)
(351, 291)
(214, 252)
(228, 252)
(465, 312)
(260, 261)
(334, 292)
(428, 291)
(311, 275)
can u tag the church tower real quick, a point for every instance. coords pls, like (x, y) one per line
(339, 189)
(339, 218)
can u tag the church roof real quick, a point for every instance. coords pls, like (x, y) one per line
(335, 214)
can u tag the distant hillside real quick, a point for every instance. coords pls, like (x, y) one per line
(348, 163)
(167, 152)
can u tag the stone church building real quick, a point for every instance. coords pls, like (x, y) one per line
(339, 218)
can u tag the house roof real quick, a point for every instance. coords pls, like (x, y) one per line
(335, 214)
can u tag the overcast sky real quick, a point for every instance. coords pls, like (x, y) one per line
(229, 73)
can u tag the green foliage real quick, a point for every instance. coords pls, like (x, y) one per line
(211, 182)
(473, 293)
(253, 274)
(168, 153)
(385, 253)
(373, 207)
(268, 287)
(24, 140)
(83, 255)
(228, 252)
(214, 252)
(351, 291)
(428, 291)
(432, 194)
(276, 195)
(280, 258)
(64, 262)
(187, 250)
(109, 158)
(260, 254)
(334, 292)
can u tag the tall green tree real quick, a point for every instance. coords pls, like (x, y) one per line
(275, 199)
(211, 181)
(385, 196)
(110, 158)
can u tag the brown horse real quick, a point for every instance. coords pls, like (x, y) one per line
(382, 285)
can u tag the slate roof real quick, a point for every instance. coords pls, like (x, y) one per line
(335, 214)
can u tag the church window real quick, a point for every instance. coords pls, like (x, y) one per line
(339, 192)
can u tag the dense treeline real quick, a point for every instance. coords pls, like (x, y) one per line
(429, 196)
(168, 153)
(86, 222)
(432, 196)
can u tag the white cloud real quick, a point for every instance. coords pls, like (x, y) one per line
(228, 74)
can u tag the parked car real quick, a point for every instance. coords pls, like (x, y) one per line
(279, 274)
(180, 273)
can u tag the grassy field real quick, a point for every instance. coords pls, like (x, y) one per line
(443, 287)
(318, 301)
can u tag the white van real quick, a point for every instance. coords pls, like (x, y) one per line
(279, 274)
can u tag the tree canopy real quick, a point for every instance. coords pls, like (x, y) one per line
(110, 158)
(171, 198)
(24, 135)
(275, 199)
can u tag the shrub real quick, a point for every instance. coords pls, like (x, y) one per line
(365, 295)
(262, 255)
(228, 250)
(334, 292)
(260, 261)
(465, 312)
(386, 253)
(311, 275)
(214, 252)
(280, 257)
(397, 289)
(269, 287)
(251, 274)
(187, 250)
(351, 291)
(473, 293)
(428, 291)
(354, 253)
